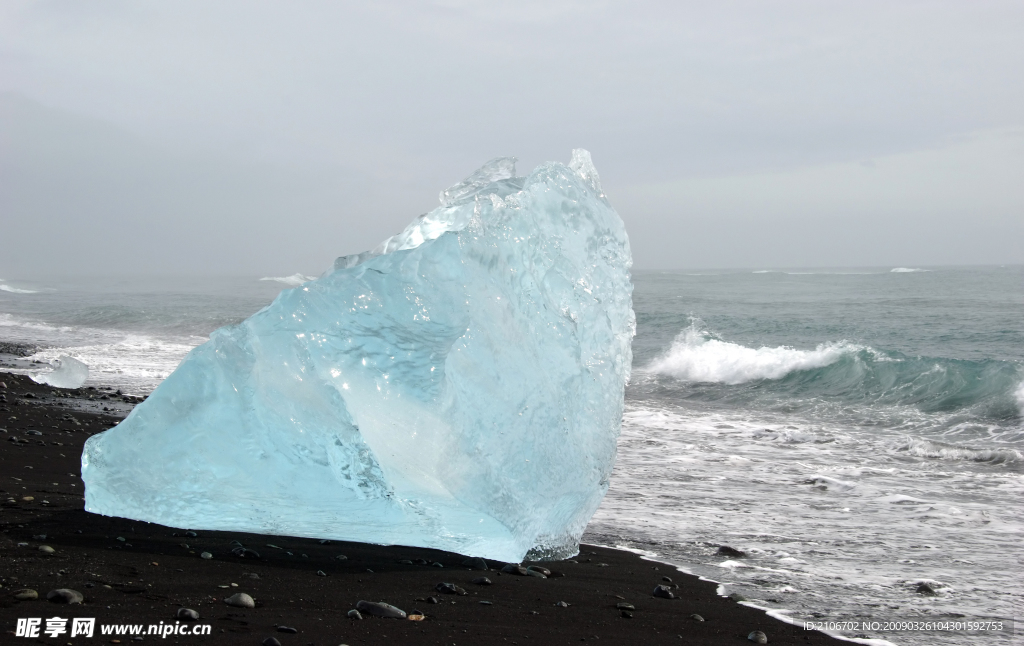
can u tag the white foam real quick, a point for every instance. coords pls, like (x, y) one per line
(907, 270)
(696, 357)
(294, 280)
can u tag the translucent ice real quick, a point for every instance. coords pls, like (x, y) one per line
(459, 387)
(67, 372)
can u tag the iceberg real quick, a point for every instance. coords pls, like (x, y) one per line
(67, 372)
(459, 387)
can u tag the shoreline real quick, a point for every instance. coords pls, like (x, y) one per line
(137, 573)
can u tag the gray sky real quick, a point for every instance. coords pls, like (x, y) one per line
(253, 137)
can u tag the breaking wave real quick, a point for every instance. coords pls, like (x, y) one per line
(14, 290)
(907, 270)
(940, 450)
(696, 355)
(294, 280)
(844, 373)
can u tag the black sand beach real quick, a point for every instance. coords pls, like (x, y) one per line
(138, 573)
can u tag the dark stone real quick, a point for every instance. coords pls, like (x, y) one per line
(536, 568)
(663, 592)
(380, 609)
(354, 614)
(187, 614)
(481, 580)
(622, 605)
(436, 564)
(536, 574)
(433, 600)
(696, 617)
(625, 614)
(64, 595)
(562, 604)
(271, 641)
(321, 573)
(191, 534)
(486, 603)
(737, 597)
(517, 570)
(758, 637)
(666, 579)
(450, 588)
(287, 629)
(725, 550)
(245, 553)
(926, 589)
(420, 562)
(404, 562)
(476, 563)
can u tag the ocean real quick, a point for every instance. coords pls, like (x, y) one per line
(857, 433)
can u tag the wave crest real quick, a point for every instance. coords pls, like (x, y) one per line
(294, 280)
(907, 270)
(696, 355)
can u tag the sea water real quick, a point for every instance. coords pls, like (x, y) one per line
(856, 432)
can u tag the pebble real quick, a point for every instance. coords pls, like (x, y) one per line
(188, 614)
(926, 588)
(404, 562)
(481, 580)
(206, 555)
(450, 588)
(46, 549)
(287, 629)
(476, 564)
(758, 637)
(737, 597)
(341, 557)
(64, 595)
(380, 609)
(354, 614)
(625, 614)
(664, 592)
(725, 550)
(246, 553)
(26, 594)
(696, 617)
(535, 574)
(436, 564)
(271, 641)
(622, 605)
(536, 568)
(433, 600)
(486, 603)
(562, 604)
(240, 600)
(27, 498)
(321, 573)
(518, 570)
(666, 579)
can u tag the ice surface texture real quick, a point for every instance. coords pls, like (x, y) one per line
(460, 387)
(68, 372)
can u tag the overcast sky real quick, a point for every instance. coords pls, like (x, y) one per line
(251, 137)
